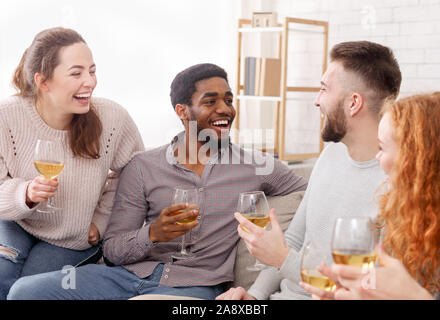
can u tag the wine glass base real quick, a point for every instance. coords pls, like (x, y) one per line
(255, 268)
(180, 256)
(48, 209)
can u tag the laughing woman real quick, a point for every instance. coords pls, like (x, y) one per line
(55, 81)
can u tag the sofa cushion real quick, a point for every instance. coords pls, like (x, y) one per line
(285, 207)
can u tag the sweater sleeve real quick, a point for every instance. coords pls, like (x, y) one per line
(12, 191)
(129, 143)
(295, 235)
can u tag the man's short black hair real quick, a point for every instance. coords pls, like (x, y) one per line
(184, 84)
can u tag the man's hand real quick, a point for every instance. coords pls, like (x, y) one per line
(166, 228)
(93, 235)
(40, 190)
(269, 247)
(238, 293)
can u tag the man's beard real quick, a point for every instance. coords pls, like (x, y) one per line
(210, 139)
(336, 125)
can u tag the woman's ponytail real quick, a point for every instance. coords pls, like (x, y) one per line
(19, 80)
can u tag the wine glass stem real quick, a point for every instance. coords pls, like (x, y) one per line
(183, 249)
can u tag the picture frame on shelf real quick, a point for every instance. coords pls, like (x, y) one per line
(264, 19)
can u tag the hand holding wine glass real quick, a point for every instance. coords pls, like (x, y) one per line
(49, 162)
(353, 243)
(312, 257)
(254, 207)
(190, 196)
(166, 227)
(40, 190)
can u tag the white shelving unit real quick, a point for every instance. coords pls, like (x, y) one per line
(280, 110)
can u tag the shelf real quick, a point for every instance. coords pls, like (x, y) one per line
(283, 31)
(260, 98)
(256, 30)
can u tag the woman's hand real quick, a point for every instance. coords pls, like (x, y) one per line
(317, 293)
(40, 189)
(387, 282)
(93, 235)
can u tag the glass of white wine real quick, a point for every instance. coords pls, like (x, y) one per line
(312, 256)
(254, 207)
(191, 196)
(49, 162)
(353, 242)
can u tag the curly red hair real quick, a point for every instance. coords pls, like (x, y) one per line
(411, 208)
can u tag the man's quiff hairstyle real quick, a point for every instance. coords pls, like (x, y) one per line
(375, 65)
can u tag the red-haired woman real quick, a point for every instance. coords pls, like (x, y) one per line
(409, 139)
(55, 81)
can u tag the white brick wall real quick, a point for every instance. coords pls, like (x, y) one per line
(410, 27)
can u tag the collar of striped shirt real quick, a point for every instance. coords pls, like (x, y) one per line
(216, 154)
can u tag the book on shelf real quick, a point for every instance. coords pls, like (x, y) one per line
(262, 76)
(250, 72)
(257, 76)
(246, 75)
(270, 77)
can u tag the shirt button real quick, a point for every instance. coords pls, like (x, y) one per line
(199, 217)
(201, 189)
(166, 276)
(167, 270)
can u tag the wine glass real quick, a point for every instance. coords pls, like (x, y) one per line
(191, 196)
(254, 207)
(353, 242)
(49, 162)
(312, 256)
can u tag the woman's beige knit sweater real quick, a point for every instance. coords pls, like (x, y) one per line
(84, 192)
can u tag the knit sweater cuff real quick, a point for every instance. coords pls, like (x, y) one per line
(267, 282)
(21, 197)
(15, 207)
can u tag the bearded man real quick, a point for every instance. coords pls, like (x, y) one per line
(360, 78)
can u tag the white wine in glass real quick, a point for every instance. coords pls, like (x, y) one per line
(49, 162)
(254, 207)
(353, 242)
(311, 258)
(191, 196)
